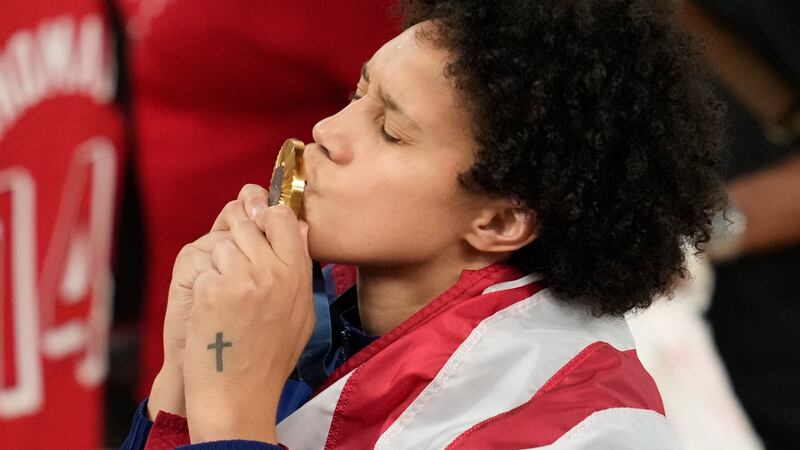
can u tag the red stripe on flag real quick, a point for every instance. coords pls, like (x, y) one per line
(598, 378)
(401, 363)
(334, 432)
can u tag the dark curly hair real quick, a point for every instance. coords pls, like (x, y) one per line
(595, 115)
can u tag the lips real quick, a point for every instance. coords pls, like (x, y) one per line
(309, 186)
(309, 172)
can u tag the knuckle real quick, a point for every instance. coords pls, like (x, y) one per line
(252, 193)
(220, 248)
(229, 212)
(218, 236)
(201, 286)
(241, 224)
(185, 251)
(246, 189)
(265, 281)
(232, 205)
(246, 287)
(220, 245)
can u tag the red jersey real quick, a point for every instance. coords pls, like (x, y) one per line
(59, 166)
(217, 87)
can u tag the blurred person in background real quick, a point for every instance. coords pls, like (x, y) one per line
(216, 88)
(749, 285)
(60, 160)
(755, 311)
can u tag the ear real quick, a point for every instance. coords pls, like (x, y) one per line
(502, 227)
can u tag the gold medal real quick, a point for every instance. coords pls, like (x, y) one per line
(288, 177)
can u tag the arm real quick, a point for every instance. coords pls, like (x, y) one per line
(764, 213)
(770, 200)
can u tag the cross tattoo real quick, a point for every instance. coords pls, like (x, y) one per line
(218, 346)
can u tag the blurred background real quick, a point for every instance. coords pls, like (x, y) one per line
(126, 125)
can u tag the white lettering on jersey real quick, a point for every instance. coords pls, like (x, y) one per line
(77, 262)
(61, 57)
(18, 249)
(76, 269)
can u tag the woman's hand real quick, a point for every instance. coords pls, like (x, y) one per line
(167, 393)
(251, 317)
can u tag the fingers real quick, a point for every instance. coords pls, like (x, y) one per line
(228, 259)
(191, 261)
(253, 243)
(255, 199)
(230, 214)
(207, 242)
(283, 231)
(251, 200)
(195, 257)
(207, 284)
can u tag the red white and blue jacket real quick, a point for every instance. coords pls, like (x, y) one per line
(496, 361)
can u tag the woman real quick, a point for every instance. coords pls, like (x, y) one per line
(509, 179)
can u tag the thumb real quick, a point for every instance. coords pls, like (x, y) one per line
(304, 237)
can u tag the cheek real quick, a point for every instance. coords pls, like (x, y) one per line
(391, 212)
(402, 223)
(407, 197)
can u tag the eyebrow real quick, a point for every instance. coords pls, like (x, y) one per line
(391, 105)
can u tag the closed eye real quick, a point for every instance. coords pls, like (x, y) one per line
(384, 134)
(388, 137)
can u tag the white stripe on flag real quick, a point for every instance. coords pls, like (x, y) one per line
(618, 429)
(506, 285)
(307, 428)
(502, 363)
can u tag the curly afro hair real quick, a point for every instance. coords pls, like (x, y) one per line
(595, 115)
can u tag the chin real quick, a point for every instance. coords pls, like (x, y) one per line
(321, 247)
(331, 251)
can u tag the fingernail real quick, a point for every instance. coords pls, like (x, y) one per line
(257, 210)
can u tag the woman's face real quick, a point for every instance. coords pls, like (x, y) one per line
(382, 175)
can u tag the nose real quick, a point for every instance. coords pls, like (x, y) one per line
(331, 134)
